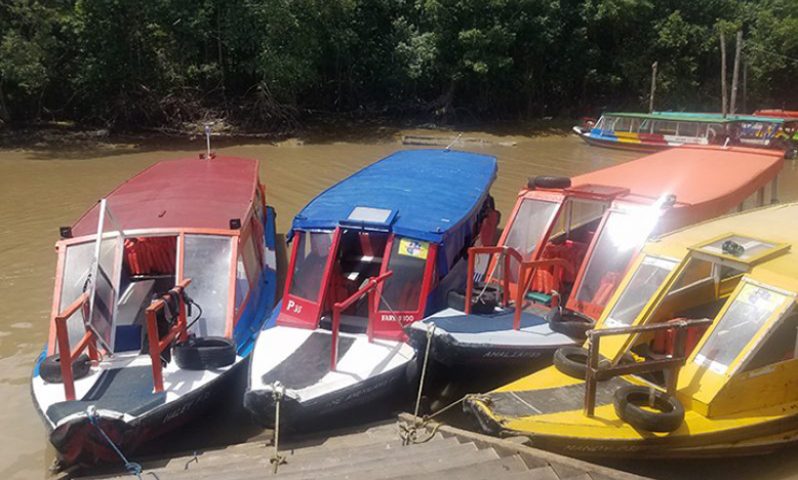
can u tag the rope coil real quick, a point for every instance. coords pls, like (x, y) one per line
(132, 468)
(410, 433)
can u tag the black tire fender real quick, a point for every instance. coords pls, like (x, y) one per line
(570, 323)
(205, 353)
(481, 303)
(668, 416)
(572, 361)
(548, 181)
(50, 368)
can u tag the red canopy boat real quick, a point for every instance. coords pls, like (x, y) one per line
(159, 290)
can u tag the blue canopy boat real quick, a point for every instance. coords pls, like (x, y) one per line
(371, 255)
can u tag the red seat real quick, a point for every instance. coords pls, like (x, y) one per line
(551, 278)
(151, 255)
(607, 286)
(664, 342)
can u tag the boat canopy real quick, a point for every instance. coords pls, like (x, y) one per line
(696, 117)
(697, 175)
(180, 194)
(429, 195)
(788, 115)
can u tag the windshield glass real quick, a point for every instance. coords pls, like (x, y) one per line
(577, 221)
(620, 239)
(744, 317)
(531, 222)
(312, 250)
(402, 289)
(647, 279)
(206, 262)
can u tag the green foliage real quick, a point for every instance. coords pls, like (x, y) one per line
(269, 63)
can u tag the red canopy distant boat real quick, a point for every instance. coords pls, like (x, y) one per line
(159, 290)
(777, 113)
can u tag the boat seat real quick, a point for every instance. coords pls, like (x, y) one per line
(151, 255)
(664, 342)
(130, 316)
(552, 278)
(124, 390)
(607, 286)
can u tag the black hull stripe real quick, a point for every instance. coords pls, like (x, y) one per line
(309, 363)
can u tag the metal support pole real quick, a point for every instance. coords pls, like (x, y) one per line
(760, 197)
(469, 281)
(673, 373)
(590, 374)
(774, 190)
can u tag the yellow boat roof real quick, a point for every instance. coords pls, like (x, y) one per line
(776, 224)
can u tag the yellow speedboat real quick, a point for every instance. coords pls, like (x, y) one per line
(695, 355)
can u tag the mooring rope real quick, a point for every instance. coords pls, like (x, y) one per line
(278, 391)
(430, 332)
(132, 468)
(409, 433)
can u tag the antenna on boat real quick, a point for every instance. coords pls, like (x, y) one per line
(208, 153)
(456, 139)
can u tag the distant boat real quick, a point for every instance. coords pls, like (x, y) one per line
(159, 291)
(695, 357)
(661, 130)
(569, 242)
(372, 254)
(777, 113)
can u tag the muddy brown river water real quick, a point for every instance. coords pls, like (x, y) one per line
(45, 187)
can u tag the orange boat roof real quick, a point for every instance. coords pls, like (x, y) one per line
(694, 174)
(179, 194)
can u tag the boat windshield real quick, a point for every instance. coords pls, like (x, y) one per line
(528, 227)
(207, 261)
(621, 237)
(647, 279)
(748, 312)
(312, 251)
(402, 289)
(74, 281)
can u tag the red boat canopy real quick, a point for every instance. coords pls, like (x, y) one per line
(777, 113)
(179, 194)
(694, 174)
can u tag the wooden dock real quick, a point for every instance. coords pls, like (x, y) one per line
(377, 452)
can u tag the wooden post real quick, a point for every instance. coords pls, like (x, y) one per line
(736, 72)
(653, 87)
(745, 85)
(723, 94)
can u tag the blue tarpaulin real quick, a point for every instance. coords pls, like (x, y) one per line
(433, 195)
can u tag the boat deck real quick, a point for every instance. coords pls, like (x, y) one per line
(496, 328)
(376, 452)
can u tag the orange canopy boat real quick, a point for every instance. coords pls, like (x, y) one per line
(570, 241)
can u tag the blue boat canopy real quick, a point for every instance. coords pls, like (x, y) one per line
(429, 195)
